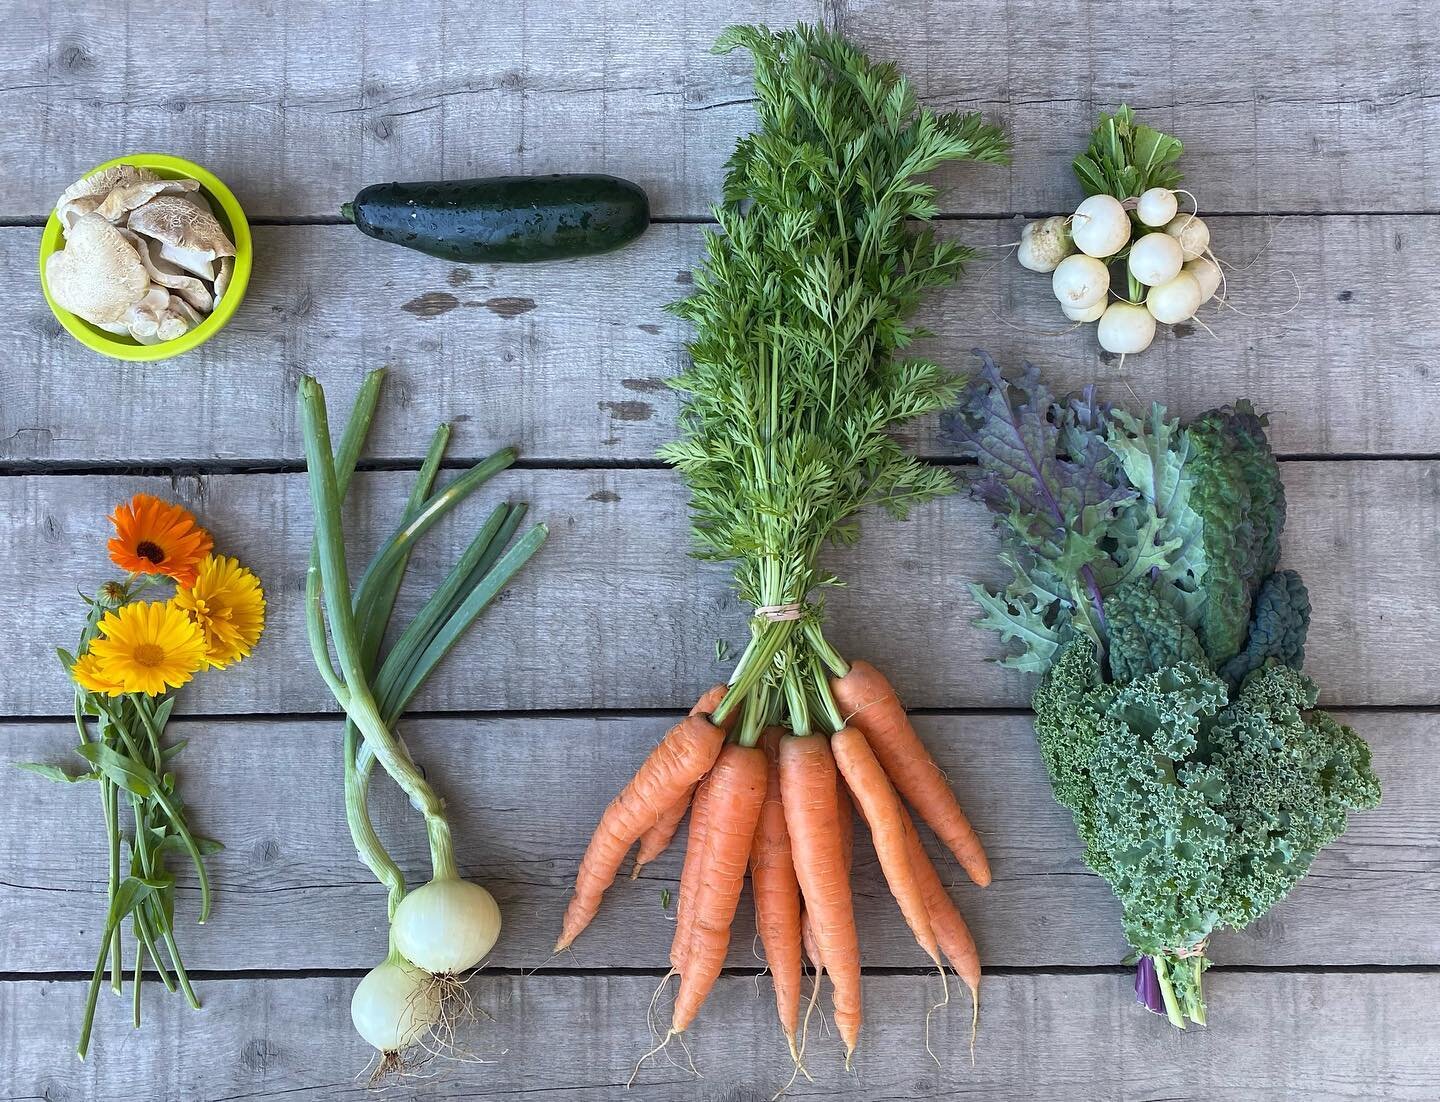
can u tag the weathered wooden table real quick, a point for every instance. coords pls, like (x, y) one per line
(1311, 131)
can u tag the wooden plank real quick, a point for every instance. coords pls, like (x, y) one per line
(296, 108)
(614, 614)
(525, 793)
(1049, 1038)
(1303, 112)
(569, 360)
(1300, 111)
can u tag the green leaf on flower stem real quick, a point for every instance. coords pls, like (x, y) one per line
(174, 749)
(128, 773)
(173, 843)
(66, 658)
(55, 773)
(132, 891)
(162, 713)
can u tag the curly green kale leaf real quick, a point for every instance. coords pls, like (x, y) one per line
(1293, 776)
(1153, 454)
(1069, 704)
(1147, 633)
(1241, 502)
(1277, 628)
(1159, 833)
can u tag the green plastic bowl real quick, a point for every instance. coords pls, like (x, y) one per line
(227, 210)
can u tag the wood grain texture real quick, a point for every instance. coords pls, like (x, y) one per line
(524, 795)
(569, 360)
(297, 104)
(1047, 1038)
(614, 614)
(1282, 109)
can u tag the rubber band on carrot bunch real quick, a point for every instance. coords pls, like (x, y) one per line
(801, 365)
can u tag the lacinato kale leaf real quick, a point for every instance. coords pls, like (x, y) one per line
(1241, 502)
(1277, 629)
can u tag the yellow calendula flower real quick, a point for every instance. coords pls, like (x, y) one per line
(90, 675)
(228, 605)
(148, 647)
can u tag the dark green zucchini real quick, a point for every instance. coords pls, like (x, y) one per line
(504, 219)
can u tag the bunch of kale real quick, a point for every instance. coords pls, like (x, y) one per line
(1172, 714)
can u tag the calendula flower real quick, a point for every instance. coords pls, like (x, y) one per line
(148, 647)
(156, 537)
(228, 606)
(90, 675)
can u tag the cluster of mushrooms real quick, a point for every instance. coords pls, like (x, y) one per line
(144, 257)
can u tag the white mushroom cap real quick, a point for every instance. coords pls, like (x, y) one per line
(98, 275)
(84, 195)
(144, 318)
(122, 200)
(170, 275)
(223, 276)
(188, 236)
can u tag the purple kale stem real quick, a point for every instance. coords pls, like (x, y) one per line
(1088, 573)
(1147, 986)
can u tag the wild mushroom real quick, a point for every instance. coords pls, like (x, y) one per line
(222, 277)
(170, 275)
(144, 318)
(98, 275)
(188, 236)
(122, 200)
(85, 195)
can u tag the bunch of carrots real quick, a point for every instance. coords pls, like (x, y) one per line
(797, 375)
(783, 808)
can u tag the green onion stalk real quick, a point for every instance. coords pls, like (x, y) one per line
(447, 926)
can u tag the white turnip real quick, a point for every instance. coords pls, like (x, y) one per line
(1044, 244)
(1157, 207)
(1100, 227)
(1192, 233)
(1174, 301)
(1080, 281)
(1206, 273)
(1125, 328)
(1084, 313)
(1155, 258)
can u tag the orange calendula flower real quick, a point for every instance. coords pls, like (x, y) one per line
(148, 647)
(227, 604)
(90, 675)
(156, 537)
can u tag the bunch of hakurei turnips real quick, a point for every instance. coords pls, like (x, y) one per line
(1131, 217)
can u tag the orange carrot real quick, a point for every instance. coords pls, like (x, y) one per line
(737, 786)
(807, 941)
(869, 703)
(684, 755)
(691, 873)
(845, 815)
(945, 918)
(657, 839)
(777, 898)
(881, 809)
(808, 789)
